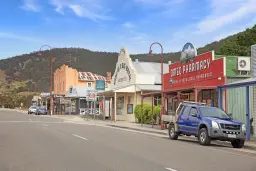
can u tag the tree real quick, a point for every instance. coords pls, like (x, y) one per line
(15, 93)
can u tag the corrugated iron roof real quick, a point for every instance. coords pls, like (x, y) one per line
(89, 76)
(150, 67)
(149, 87)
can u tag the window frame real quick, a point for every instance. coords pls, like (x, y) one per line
(195, 109)
(183, 111)
(89, 83)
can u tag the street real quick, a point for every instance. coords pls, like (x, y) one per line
(39, 143)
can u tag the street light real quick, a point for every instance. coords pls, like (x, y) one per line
(51, 60)
(162, 79)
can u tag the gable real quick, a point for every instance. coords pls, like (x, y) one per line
(125, 72)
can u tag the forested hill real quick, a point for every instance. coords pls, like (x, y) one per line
(36, 68)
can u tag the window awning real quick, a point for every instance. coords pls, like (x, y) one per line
(242, 83)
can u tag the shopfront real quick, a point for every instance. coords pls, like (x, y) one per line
(194, 78)
(130, 80)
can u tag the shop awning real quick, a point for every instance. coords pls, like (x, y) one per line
(106, 93)
(129, 89)
(133, 88)
(242, 83)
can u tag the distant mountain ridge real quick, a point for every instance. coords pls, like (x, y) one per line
(36, 68)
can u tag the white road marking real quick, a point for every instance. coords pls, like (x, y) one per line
(170, 169)
(30, 119)
(80, 137)
(30, 122)
(45, 125)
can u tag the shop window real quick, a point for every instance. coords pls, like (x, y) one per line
(89, 84)
(157, 100)
(129, 100)
(120, 106)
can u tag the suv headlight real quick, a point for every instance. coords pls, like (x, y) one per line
(215, 125)
(243, 127)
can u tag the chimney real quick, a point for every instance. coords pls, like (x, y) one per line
(136, 60)
(169, 62)
(109, 77)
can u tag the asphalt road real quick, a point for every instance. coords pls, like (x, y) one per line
(36, 143)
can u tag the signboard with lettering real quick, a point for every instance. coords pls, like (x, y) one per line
(202, 71)
(122, 66)
(65, 101)
(125, 72)
(100, 85)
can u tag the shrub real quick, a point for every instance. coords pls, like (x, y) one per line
(156, 114)
(142, 118)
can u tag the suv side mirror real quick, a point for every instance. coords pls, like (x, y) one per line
(230, 115)
(194, 114)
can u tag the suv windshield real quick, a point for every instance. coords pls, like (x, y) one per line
(213, 112)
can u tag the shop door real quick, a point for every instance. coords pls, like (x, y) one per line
(120, 106)
(172, 106)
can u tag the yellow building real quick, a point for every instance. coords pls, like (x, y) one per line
(65, 76)
(71, 89)
(130, 80)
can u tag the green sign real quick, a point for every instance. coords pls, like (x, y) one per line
(100, 85)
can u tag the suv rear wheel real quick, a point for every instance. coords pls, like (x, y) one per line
(237, 143)
(172, 133)
(203, 137)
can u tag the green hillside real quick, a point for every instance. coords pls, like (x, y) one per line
(36, 68)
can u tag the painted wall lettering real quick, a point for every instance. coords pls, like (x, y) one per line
(122, 66)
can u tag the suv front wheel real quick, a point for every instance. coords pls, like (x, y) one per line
(203, 137)
(237, 143)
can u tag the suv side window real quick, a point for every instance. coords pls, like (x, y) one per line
(193, 110)
(180, 109)
(186, 111)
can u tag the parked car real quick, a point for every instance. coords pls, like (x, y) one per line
(32, 109)
(206, 123)
(41, 111)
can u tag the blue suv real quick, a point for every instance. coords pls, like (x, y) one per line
(207, 124)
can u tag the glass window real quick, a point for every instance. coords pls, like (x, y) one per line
(129, 100)
(193, 110)
(89, 84)
(181, 108)
(186, 111)
(157, 100)
(213, 112)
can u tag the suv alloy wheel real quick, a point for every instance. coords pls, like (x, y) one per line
(203, 137)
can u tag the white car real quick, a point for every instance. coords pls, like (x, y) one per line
(32, 110)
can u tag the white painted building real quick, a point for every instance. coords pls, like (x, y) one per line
(130, 80)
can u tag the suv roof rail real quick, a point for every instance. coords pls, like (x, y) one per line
(191, 102)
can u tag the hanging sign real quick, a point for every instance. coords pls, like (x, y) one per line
(100, 85)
